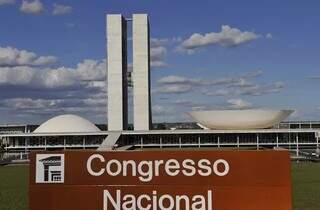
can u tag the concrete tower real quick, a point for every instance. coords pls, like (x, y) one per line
(117, 72)
(141, 73)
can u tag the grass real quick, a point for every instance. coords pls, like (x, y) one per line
(306, 186)
(305, 182)
(14, 187)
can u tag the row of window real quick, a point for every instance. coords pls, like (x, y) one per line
(52, 141)
(302, 137)
(217, 138)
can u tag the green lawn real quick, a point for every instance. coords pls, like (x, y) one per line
(13, 187)
(305, 179)
(306, 186)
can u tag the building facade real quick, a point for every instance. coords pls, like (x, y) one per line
(141, 73)
(117, 72)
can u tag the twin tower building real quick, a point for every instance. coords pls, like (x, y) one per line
(117, 55)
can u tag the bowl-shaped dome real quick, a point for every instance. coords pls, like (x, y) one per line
(239, 119)
(66, 124)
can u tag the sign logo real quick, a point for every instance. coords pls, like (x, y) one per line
(50, 168)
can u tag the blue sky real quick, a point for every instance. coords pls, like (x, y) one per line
(205, 54)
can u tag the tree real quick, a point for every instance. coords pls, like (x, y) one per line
(160, 126)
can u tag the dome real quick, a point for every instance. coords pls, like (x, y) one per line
(239, 119)
(66, 124)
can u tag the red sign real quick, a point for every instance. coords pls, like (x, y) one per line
(170, 180)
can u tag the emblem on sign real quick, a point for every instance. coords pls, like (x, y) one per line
(50, 168)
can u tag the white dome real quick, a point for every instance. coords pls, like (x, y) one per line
(239, 119)
(66, 124)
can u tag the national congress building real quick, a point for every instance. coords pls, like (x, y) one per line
(237, 129)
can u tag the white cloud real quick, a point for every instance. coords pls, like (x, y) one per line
(28, 103)
(157, 56)
(173, 79)
(156, 42)
(70, 25)
(167, 113)
(175, 111)
(187, 103)
(56, 78)
(257, 90)
(59, 9)
(30, 77)
(253, 74)
(29, 108)
(177, 39)
(231, 81)
(158, 52)
(4, 2)
(178, 84)
(173, 89)
(227, 37)
(247, 89)
(14, 57)
(92, 70)
(32, 7)
(159, 110)
(220, 92)
(32, 88)
(269, 36)
(16, 75)
(38, 92)
(158, 64)
(240, 83)
(26, 70)
(238, 104)
(232, 86)
(87, 74)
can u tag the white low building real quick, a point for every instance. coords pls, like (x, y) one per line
(74, 132)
